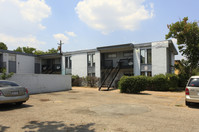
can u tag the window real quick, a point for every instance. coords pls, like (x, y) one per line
(148, 56)
(128, 54)
(149, 73)
(7, 83)
(91, 60)
(194, 82)
(145, 56)
(112, 55)
(91, 74)
(68, 62)
(142, 56)
(142, 73)
(146, 73)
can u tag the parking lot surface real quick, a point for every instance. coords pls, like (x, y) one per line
(90, 110)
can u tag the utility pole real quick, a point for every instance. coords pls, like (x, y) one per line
(60, 46)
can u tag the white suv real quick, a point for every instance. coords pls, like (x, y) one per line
(192, 91)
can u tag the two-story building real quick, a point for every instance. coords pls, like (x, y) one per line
(107, 62)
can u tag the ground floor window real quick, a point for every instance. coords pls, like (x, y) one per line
(142, 73)
(91, 74)
(146, 73)
(149, 74)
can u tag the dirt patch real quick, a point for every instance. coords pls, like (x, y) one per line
(120, 109)
(73, 91)
(44, 100)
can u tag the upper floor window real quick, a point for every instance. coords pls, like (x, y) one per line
(142, 56)
(68, 62)
(112, 55)
(91, 60)
(145, 56)
(128, 54)
(148, 56)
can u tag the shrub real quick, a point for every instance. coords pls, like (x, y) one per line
(4, 75)
(172, 81)
(91, 81)
(76, 80)
(183, 78)
(133, 84)
(149, 83)
(160, 83)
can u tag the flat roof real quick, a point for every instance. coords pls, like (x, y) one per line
(115, 46)
(15, 52)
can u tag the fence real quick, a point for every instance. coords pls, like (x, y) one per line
(41, 83)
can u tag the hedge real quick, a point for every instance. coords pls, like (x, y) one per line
(132, 84)
(136, 84)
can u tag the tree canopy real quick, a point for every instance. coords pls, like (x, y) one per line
(3, 46)
(187, 35)
(32, 50)
(27, 49)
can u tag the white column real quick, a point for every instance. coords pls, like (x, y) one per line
(63, 69)
(97, 64)
(159, 57)
(136, 60)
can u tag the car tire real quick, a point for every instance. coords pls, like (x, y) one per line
(19, 103)
(187, 103)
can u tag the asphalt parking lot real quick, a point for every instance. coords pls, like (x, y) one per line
(90, 110)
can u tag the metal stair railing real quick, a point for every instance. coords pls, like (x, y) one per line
(108, 70)
(116, 69)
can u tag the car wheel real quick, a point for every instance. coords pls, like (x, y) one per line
(19, 103)
(187, 103)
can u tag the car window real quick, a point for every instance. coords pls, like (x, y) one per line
(194, 82)
(6, 83)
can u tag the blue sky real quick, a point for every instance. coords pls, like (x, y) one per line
(87, 24)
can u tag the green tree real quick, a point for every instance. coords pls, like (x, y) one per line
(39, 52)
(29, 50)
(187, 35)
(183, 66)
(3, 46)
(18, 49)
(52, 51)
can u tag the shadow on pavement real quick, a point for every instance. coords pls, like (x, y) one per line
(7, 107)
(194, 106)
(3, 128)
(56, 126)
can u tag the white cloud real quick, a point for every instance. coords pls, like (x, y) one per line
(21, 18)
(72, 34)
(34, 10)
(110, 15)
(61, 37)
(14, 42)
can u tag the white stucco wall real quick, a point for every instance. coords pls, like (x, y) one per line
(159, 57)
(40, 83)
(136, 61)
(97, 64)
(25, 64)
(79, 64)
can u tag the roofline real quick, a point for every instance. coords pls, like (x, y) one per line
(142, 45)
(173, 47)
(15, 52)
(115, 46)
(79, 51)
(53, 54)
